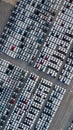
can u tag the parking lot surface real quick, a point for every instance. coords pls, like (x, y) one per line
(36, 78)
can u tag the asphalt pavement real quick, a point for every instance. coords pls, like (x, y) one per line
(64, 114)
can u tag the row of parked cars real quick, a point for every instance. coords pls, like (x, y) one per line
(71, 126)
(27, 28)
(29, 103)
(19, 90)
(67, 72)
(50, 109)
(58, 42)
(10, 71)
(23, 99)
(11, 81)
